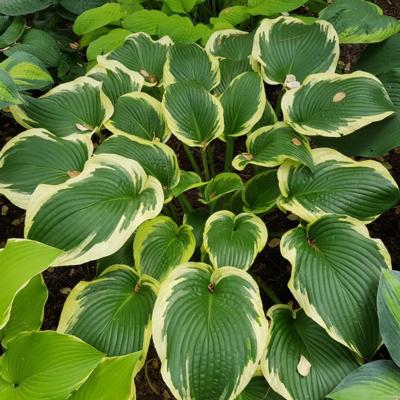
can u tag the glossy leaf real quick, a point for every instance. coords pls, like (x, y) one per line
(223, 184)
(272, 7)
(229, 71)
(188, 180)
(197, 220)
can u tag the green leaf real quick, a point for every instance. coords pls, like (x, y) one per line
(235, 15)
(336, 281)
(371, 28)
(13, 32)
(40, 365)
(8, 91)
(90, 37)
(258, 389)
(188, 180)
(157, 159)
(112, 379)
(197, 220)
(181, 30)
(261, 192)
(79, 6)
(147, 21)
(193, 115)
(160, 245)
(287, 46)
(272, 7)
(191, 63)
(75, 107)
(40, 44)
(194, 318)
(223, 184)
(70, 216)
(336, 105)
(272, 145)
(301, 361)
(23, 7)
(20, 261)
(241, 111)
(113, 312)
(98, 17)
(116, 78)
(37, 156)
(337, 184)
(27, 310)
(378, 380)
(234, 240)
(142, 54)
(106, 43)
(268, 117)
(182, 6)
(139, 115)
(389, 312)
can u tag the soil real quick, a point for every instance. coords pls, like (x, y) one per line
(269, 266)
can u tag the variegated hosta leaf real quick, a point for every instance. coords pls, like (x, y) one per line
(231, 44)
(38, 156)
(223, 184)
(373, 27)
(197, 220)
(8, 91)
(287, 46)
(20, 261)
(27, 310)
(116, 78)
(188, 180)
(378, 380)
(139, 114)
(389, 312)
(113, 312)
(193, 115)
(142, 54)
(160, 245)
(157, 159)
(335, 275)
(268, 117)
(92, 215)
(229, 71)
(45, 365)
(258, 389)
(301, 361)
(112, 379)
(261, 192)
(190, 62)
(337, 184)
(336, 105)
(79, 106)
(234, 240)
(209, 341)
(272, 145)
(242, 111)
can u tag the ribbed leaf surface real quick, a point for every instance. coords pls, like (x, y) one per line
(229, 71)
(223, 184)
(258, 389)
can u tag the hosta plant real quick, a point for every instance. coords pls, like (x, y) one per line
(123, 166)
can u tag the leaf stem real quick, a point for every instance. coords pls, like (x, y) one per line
(268, 291)
(229, 154)
(204, 158)
(185, 203)
(191, 158)
(278, 106)
(174, 211)
(211, 160)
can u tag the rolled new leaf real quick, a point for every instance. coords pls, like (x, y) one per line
(301, 361)
(221, 185)
(234, 240)
(113, 312)
(79, 106)
(336, 105)
(377, 380)
(193, 115)
(209, 341)
(139, 115)
(160, 245)
(337, 184)
(288, 46)
(38, 156)
(190, 62)
(92, 215)
(40, 365)
(272, 145)
(335, 275)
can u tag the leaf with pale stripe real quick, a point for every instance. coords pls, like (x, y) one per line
(209, 341)
(336, 105)
(193, 115)
(37, 156)
(112, 312)
(190, 62)
(258, 389)
(8, 91)
(337, 184)
(335, 275)
(46, 365)
(301, 361)
(160, 245)
(79, 106)
(92, 215)
(287, 46)
(229, 71)
(139, 114)
(271, 145)
(188, 180)
(234, 240)
(221, 185)
(378, 380)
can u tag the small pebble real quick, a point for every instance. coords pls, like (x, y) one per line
(66, 291)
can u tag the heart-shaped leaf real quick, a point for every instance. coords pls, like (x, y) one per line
(223, 184)
(188, 180)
